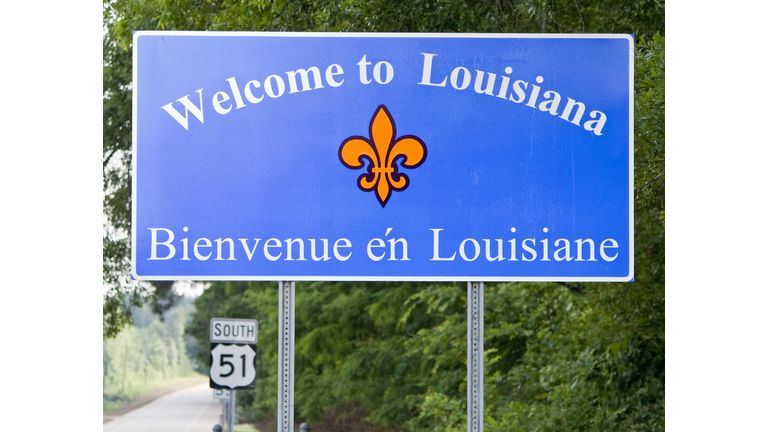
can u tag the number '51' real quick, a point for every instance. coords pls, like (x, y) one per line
(223, 362)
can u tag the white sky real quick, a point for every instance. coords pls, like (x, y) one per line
(189, 288)
(50, 175)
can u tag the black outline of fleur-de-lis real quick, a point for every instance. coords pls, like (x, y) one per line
(409, 150)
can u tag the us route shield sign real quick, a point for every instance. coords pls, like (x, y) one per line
(233, 366)
(323, 156)
(221, 394)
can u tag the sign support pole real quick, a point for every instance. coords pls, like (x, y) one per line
(224, 410)
(475, 357)
(231, 419)
(285, 357)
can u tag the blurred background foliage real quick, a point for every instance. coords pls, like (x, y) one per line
(149, 354)
(392, 356)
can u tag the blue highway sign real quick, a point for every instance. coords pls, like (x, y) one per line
(336, 156)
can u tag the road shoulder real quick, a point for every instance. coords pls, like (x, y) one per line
(151, 396)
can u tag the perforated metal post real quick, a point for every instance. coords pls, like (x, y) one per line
(474, 357)
(231, 415)
(223, 415)
(285, 353)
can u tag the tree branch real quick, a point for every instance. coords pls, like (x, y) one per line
(581, 18)
(566, 27)
(107, 159)
(574, 289)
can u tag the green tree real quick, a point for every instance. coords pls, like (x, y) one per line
(121, 293)
(559, 357)
(151, 352)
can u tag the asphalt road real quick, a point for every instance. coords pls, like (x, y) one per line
(190, 410)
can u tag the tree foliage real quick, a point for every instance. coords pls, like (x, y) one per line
(150, 352)
(392, 356)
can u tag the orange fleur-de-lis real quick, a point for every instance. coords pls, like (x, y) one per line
(383, 153)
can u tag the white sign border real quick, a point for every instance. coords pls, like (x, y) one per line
(232, 341)
(631, 174)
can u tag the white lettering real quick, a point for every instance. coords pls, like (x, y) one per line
(337, 246)
(188, 107)
(463, 253)
(566, 248)
(218, 98)
(499, 254)
(280, 86)
(249, 252)
(436, 246)
(504, 84)
(167, 243)
(596, 125)
(231, 249)
(455, 78)
(364, 70)
(332, 71)
(579, 242)
(567, 112)
(519, 95)
(249, 94)
(535, 93)
(550, 105)
(289, 243)
(392, 243)
(529, 249)
(236, 92)
(206, 243)
(603, 246)
(325, 256)
(304, 79)
(390, 73)
(379, 245)
(426, 73)
(271, 243)
(479, 83)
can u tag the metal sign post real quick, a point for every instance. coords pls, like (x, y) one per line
(285, 357)
(224, 411)
(231, 420)
(474, 356)
(223, 395)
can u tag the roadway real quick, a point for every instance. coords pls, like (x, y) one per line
(189, 410)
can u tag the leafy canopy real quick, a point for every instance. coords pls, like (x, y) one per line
(392, 356)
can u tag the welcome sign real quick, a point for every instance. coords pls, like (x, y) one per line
(317, 156)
